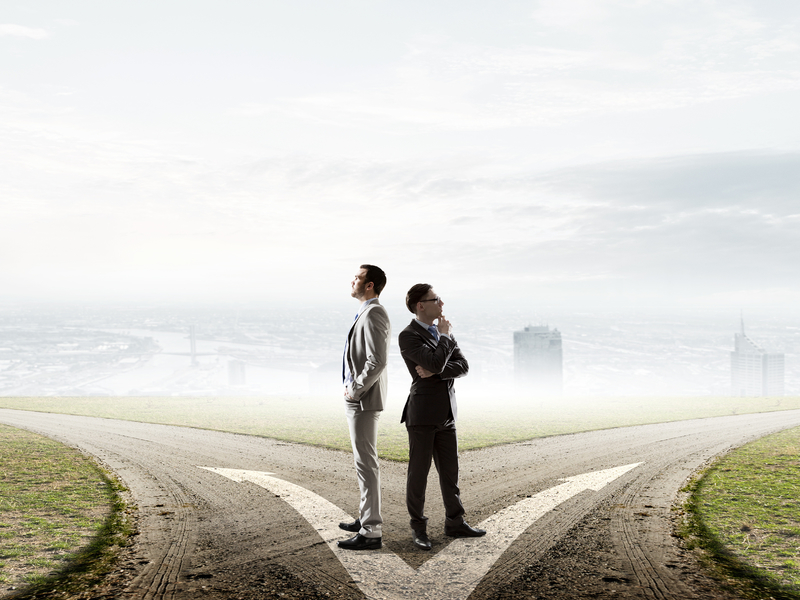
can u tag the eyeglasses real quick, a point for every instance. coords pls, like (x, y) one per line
(436, 299)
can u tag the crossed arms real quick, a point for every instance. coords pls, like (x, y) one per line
(444, 360)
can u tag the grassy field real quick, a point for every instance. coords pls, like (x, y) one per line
(321, 421)
(745, 513)
(59, 513)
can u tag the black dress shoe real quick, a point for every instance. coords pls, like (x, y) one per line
(359, 542)
(353, 527)
(421, 540)
(463, 530)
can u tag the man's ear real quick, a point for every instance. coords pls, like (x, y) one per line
(369, 285)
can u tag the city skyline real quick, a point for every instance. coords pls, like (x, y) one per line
(143, 351)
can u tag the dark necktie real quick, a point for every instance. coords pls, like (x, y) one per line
(434, 332)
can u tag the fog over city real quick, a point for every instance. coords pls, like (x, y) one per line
(147, 351)
(213, 174)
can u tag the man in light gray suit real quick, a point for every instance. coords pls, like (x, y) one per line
(365, 383)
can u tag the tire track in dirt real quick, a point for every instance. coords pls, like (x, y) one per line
(203, 536)
(166, 518)
(643, 523)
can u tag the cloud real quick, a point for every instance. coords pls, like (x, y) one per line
(675, 227)
(766, 180)
(572, 15)
(586, 60)
(33, 33)
(90, 201)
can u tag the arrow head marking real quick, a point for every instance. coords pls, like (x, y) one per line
(455, 571)
(597, 480)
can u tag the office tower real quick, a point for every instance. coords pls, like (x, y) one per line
(236, 372)
(193, 345)
(538, 361)
(755, 372)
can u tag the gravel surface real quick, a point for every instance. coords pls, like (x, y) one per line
(204, 536)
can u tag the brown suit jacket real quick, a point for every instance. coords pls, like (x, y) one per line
(432, 400)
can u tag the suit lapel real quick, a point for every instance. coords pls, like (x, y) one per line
(427, 336)
(358, 318)
(352, 329)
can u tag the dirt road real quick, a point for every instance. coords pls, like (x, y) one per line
(205, 535)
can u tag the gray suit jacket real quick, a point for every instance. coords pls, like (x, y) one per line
(367, 356)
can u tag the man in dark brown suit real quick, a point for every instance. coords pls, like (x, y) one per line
(434, 360)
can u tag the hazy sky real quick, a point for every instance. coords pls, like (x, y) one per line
(562, 152)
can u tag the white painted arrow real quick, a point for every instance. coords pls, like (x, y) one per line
(453, 572)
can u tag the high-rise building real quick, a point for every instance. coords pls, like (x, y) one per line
(755, 372)
(236, 372)
(538, 360)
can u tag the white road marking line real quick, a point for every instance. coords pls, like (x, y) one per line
(453, 572)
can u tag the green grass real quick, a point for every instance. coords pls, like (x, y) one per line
(744, 513)
(62, 516)
(321, 421)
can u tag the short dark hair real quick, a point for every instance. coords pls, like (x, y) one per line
(376, 276)
(417, 292)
